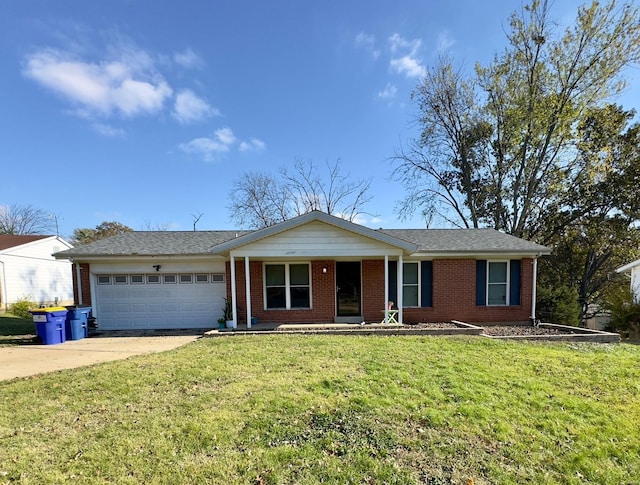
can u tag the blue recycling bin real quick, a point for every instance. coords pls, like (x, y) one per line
(77, 322)
(50, 324)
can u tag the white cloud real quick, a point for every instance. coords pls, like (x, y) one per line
(209, 148)
(368, 42)
(221, 142)
(108, 130)
(408, 66)
(188, 59)
(189, 108)
(252, 145)
(445, 41)
(388, 92)
(406, 60)
(397, 42)
(126, 86)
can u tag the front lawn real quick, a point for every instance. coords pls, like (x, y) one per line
(332, 409)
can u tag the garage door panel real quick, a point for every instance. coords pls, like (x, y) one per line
(161, 306)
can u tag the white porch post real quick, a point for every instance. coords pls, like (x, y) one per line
(399, 302)
(386, 288)
(247, 279)
(233, 289)
(533, 290)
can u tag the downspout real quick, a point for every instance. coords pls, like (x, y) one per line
(79, 283)
(533, 290)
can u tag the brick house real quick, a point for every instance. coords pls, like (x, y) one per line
(314, 268)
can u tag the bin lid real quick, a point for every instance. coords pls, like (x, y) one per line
(49, 309)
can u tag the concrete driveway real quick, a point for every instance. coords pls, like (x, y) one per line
(28, 360)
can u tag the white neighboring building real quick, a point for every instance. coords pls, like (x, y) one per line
(28, 269)
(634, 270)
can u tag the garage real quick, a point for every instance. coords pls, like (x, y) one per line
(158, 300)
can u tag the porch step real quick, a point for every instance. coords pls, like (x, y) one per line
(356, 319)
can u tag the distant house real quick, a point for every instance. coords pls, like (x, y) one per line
(28, 269)
(314, 268)
(633, 270)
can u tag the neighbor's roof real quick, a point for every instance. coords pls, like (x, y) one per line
(153, 243)
(628, 267)
(10, 241)
(465, 241)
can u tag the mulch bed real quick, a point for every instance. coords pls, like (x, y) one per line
(521, 330)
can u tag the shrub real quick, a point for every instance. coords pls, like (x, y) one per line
(21, 307)
(625, 312)
(558, 304)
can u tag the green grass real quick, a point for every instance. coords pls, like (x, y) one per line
(332, 409)
(15, 330)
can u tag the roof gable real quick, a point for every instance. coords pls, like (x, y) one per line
(306, 219)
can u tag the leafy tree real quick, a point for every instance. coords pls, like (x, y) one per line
(593, 232)
(260, 199)
(497, 147)
(102, 231)
(25, 219)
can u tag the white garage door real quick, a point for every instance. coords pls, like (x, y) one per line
(159, 301)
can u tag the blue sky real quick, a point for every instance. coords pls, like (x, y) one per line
(143, 112)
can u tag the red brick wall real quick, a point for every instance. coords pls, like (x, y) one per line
(323, 298)
(85, 284)
(454, 296)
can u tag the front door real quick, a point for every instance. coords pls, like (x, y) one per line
(348, 284)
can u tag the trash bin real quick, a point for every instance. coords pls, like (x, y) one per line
(50, 324)
(77, 322)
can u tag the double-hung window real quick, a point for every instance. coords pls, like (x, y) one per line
(497, 283)
(410, 284)
(287, 285)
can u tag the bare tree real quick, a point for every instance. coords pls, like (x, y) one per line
(262, 200)
(259, 200)
(25, 219)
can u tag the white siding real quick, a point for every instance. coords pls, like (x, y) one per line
(30, 271)
(635, 283)
(316, 239)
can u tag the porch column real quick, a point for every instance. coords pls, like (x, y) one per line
(399, 302)
(233, 290)
(247, 279)
(386, 288)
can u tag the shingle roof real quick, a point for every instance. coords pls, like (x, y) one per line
(432, 241)
(465, 241)
(154, 243)
(10, 240)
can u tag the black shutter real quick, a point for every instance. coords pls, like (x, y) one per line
(427, 284)
(514, 279)
(393, 281)
(481, 282)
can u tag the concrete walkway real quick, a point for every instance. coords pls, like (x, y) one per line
(28, 360)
